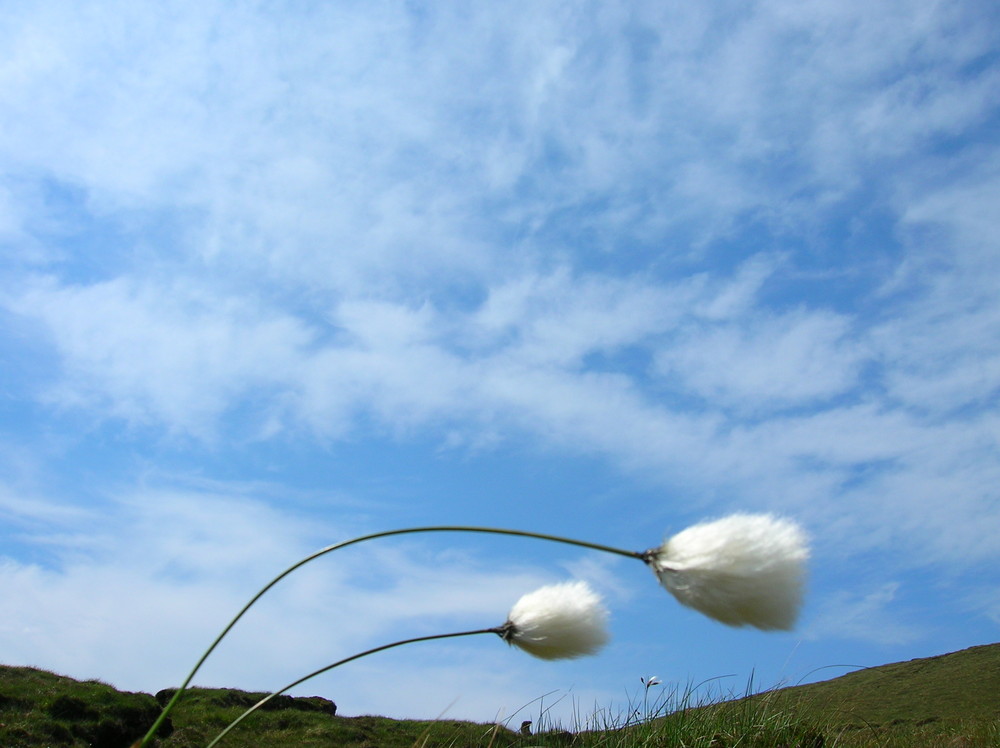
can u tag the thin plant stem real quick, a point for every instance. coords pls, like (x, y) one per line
(336, 546)
(499, 630)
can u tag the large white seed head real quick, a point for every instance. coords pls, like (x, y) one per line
(741, 570)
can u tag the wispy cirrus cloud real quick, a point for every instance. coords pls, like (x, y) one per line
(770, 361)
(866, 617)
(168, 354)
(381, 157)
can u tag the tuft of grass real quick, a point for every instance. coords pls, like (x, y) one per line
(692, 718)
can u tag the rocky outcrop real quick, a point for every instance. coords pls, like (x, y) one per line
(224, 697)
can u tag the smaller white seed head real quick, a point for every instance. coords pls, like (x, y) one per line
(559, 621)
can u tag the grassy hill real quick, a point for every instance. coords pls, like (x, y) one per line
(951, 700)
(950, 689)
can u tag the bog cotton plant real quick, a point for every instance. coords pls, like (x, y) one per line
(741, 570)
(556, 622)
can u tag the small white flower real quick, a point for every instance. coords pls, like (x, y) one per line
(559, 621)
(741, 570)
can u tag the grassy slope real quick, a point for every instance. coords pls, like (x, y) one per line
(954, 694)
(948, 701)
(951, 688)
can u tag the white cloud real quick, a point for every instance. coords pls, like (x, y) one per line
(167, 353)
(768, 361)
(177, 355)
(986, 600)
(942, 348)
(30, 511)
(732, 299)
(374, 159)
(867, 617)
(558, 319)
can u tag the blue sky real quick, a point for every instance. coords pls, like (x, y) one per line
(274, 275)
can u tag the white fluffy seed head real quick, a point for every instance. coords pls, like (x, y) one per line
(559, 621)
(741, 570)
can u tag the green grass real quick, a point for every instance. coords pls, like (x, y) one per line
(948, 696)
(951, 701)
(38, 708)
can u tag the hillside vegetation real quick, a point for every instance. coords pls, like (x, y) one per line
(951, 700)
(950, 689)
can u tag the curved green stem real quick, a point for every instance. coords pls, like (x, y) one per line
(499, 630)
(323, 551)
